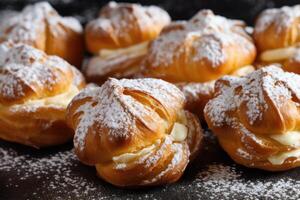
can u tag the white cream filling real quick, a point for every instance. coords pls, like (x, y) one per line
(61, 100)
(178, 134)
(278, 54)
(279, 159)
(290, 138)
(137, 50)
(128, 157)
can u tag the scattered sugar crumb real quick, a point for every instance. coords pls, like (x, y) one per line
(227, 182)
(54, 171)
(63, 175)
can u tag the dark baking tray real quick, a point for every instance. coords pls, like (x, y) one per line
(55, 173)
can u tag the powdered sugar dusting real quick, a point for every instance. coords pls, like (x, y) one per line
(209, 48)
(244, 154)
(72, 23)
(10, 86)
(177, 148)
(24, 67)
(151, 161)
(252, 90)
(206, 32)
(122, 19)
(29, 26)
(165, 93)
(163, 54)
(109, 111)
(280, 18)
(108, 107)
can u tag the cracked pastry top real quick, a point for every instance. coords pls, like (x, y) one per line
(119, 39)
(256, 118)
(135, 132)
(277, 37)
(201, 49)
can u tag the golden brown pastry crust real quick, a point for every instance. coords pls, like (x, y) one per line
(277, 28)
(124, 128)
(121, 25)
(34, 92)
(277, 37)
(292, 64)
(40, 26)
(199, 50)
(247, 114)
(120, 37)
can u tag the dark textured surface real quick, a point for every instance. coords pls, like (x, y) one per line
(178, 9)
(228, 181)
(36, 188)
(76, 181)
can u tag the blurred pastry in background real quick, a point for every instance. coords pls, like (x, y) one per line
(40, 26)
(119, 39)
(277, 37)
(198, 94)
(35, 90)
(135, 131)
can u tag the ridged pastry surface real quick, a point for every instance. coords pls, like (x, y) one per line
(134, 131)
(35, 90)
(121, 25)
(254, 117)
(40, 26)
(119, 38)
(201, 49)
(277, 37)
(277, 28)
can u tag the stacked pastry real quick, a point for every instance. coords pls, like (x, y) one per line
(40, 26)
(277, 37)
(136, 132)
(119, 39)
(256, 118)
(35, 90)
